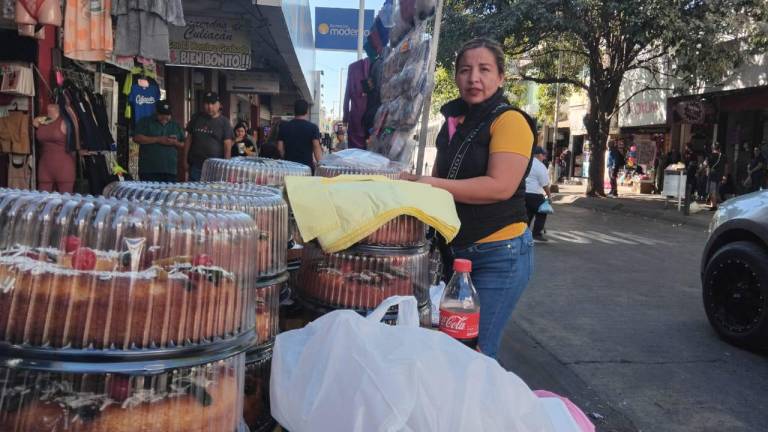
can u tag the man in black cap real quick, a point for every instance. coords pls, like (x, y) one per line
(210, 136)
(159, 140)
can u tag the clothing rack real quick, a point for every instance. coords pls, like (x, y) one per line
(29, 160)
(84, 80)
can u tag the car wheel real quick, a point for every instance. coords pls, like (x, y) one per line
(735, 288)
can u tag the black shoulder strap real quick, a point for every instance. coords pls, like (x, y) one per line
(464, 147)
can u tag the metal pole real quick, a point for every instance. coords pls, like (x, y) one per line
(428, 98)
(341, 95)
(360, 29)
(556, 119)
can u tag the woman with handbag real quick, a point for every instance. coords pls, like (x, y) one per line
(537, 193)
(483, 156)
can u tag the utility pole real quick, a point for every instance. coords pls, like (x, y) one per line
(428, 98)
(360, 29)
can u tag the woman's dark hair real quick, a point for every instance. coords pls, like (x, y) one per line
(489, 44)
(241, 125)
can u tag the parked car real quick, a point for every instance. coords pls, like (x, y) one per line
(734, 271)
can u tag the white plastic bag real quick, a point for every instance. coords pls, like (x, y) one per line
(344, 372)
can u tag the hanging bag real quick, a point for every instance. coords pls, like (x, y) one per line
(546, 208)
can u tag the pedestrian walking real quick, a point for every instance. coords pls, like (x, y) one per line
(483, 156)
(616, 161)
(717, 170)
(209, 136)
(160, 139)
(243, 145)
(536, 192)
(299, 139)
(755, 171)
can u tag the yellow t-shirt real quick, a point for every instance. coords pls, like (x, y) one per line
(510, 133)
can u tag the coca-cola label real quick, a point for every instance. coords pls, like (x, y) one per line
(460, 325)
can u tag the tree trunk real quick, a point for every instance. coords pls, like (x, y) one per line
(598, 126)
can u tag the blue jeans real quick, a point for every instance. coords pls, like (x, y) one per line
(500, 272)
(195, 173)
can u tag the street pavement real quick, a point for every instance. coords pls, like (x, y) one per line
(613, 319)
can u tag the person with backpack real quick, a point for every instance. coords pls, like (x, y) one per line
(616, 162)
(483, 157)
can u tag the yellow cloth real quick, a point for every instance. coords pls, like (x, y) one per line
(343, 210)
(510, 133)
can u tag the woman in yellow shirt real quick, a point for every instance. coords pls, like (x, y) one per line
(483, 156)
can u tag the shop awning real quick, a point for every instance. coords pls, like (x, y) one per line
(290, 25)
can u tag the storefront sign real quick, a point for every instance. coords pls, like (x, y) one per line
(253, 82)
(211, 43)
(694, 112)
(337, 28)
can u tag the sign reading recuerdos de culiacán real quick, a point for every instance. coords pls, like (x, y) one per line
(211, 42)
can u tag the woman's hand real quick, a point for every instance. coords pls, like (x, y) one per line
(404, 175)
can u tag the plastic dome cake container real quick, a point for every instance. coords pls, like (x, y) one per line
(84, 275)
(263, 204)
(362, 277)
(261, 171)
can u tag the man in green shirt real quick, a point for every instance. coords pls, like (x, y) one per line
(158, 137)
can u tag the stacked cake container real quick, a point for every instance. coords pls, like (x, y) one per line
(393, 260)
(247, 172)
(122, 316)
(270, 212)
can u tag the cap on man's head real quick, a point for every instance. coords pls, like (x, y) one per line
(538, 150)
(210, 98)
(163, 107)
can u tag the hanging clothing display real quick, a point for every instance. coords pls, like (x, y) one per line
(38, 12)
(144, 94)
(20, 171)
(56, 166)
(17, 79)
(88, 30)
(14, 133)
(355, 102)
(86, 113)
(142, 27)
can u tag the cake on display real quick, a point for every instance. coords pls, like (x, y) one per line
(403, 231)
(105, 274)
(256, 410)
(362, 277)
(265, 205)
(200, 398)
(123, 316)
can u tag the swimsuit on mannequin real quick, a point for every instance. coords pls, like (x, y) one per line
(56, 169)
(34, 12)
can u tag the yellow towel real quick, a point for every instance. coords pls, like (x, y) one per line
(343, 210)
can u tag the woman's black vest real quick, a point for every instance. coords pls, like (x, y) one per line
(478, 221)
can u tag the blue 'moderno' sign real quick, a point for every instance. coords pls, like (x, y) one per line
(336, 28)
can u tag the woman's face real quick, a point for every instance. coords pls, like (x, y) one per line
(240, 133)
(477, 76)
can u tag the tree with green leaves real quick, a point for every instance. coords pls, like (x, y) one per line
(592, 44)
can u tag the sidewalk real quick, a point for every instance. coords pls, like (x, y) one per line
(628, 203)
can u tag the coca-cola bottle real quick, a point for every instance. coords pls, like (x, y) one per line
(460, 306)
